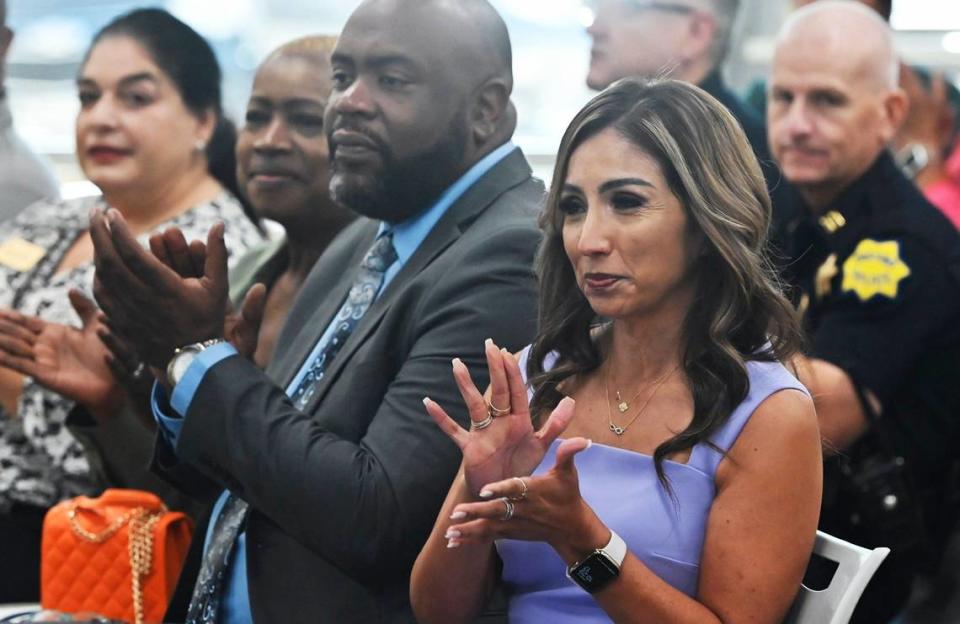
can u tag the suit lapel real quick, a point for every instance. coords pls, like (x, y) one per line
(306, 336)
(508, 173)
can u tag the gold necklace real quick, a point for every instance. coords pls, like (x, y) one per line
(622, 405)
(617, 429)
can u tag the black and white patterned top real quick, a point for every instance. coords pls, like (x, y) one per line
(41, 463)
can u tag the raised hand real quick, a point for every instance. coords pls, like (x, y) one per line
(507, 446)
(545, 508)
(243, 328)
(64, 359)
(171, 248)
(149, 305)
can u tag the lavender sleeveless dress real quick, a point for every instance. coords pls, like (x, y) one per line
(622, 488)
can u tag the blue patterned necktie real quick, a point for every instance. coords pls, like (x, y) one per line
(208, 590)
(362, 294)
(205, 602)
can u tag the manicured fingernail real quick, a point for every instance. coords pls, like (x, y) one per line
(456, 362)
(486, 494)
(589, 443)
(458, 515)
(426, 400)
(488, 342)
(453, 544)
(452, 533)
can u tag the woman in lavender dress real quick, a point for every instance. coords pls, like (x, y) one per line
(661, 334)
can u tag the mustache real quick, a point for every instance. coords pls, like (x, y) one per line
(348, 124)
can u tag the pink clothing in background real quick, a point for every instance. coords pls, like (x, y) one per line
(945, 194)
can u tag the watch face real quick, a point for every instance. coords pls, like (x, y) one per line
(594, 572)
(180, 365)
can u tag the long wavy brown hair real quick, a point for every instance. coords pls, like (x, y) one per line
(739, 312)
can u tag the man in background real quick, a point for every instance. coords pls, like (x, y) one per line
(876, 273)
(685, 40)
(926, 145)
(24, 178)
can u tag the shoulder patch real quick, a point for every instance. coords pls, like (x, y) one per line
(874, 268)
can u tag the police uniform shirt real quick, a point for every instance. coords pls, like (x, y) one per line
(877, 276)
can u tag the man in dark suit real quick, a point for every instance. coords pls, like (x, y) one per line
(334, 470)
(685, 40)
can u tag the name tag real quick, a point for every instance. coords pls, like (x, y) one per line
(20, 255)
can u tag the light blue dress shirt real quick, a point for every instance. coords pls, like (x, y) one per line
(407, 237)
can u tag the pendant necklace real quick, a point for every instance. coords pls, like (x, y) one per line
(623, 406)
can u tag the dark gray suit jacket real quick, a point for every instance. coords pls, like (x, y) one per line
(344, 493)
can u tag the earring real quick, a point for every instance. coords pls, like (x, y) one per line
(200, 145)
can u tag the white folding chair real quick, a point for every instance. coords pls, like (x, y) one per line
(834, 605)
(10, 610)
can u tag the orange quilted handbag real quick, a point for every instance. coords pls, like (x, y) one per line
(118, 555)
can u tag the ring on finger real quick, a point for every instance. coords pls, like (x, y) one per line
(523, 493)
(508, 512)
(139, 370)
(494, 411)
(483, 424)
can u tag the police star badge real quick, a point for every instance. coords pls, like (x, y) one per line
(874, 268)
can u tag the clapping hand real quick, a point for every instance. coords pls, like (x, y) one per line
(545, 508)
(501, 442)
(240, 328)
(73, 362)
(149, 305)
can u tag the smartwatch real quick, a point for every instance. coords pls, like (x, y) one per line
(600, 567)
(183, 357)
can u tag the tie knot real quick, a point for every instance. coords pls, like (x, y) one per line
(381, 254)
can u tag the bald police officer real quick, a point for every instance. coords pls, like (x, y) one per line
(877, 273)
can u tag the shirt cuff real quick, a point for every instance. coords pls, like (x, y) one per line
(169, 422)
(184, 391)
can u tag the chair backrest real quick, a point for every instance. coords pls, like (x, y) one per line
(835, 604)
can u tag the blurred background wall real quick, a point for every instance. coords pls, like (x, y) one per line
(550, 56)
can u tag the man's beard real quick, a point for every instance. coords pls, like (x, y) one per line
(402, 188)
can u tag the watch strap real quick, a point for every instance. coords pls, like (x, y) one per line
(616, 549)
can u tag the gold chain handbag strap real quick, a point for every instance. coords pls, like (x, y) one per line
(139, 544)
